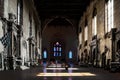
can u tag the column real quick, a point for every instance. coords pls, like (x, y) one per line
(113, 43)
(10, 52)
(19, 59)
(30, 50)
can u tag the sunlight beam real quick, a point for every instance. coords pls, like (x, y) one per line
(66, 74)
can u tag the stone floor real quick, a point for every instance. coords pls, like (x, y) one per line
(59, 73)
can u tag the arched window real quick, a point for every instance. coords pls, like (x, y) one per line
(70, 55)
(57, 49)
(109, 15)
(20, 12)
(80, 36)
(45, 54)
(94, 22)
(86, 30)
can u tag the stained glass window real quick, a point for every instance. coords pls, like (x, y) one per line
(57, 49)
(45, 54)
(54, 49)
(70, 54)
(60, 49)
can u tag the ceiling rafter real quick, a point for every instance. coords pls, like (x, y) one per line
(72, 8)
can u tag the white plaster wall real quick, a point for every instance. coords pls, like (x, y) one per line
(1, 45)
(26, 30)
(1, 35)
(6, 8)
(33, 27)
(10, 6)
(24, 38)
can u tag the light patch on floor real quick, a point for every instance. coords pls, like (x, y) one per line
(66, 74)
(61, 68)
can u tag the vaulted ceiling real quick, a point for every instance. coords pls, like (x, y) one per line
(69, 8)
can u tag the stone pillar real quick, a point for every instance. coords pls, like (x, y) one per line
(19, 59)
(90, 55)
(10, 52)
(98, 52)
(113, 43)
(30, 50)
(19, 40)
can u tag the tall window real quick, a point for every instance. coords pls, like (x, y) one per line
(86, 33)
(109, 20)
(94, 26)
(19, 11)
(57, 49)
(70, 55)
(94, 23)
(45, 54)
(80, 36)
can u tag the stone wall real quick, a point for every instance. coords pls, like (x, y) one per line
(10, 6)
(100, 6)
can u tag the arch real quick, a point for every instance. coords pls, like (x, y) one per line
(49, 21)
(63, 34)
